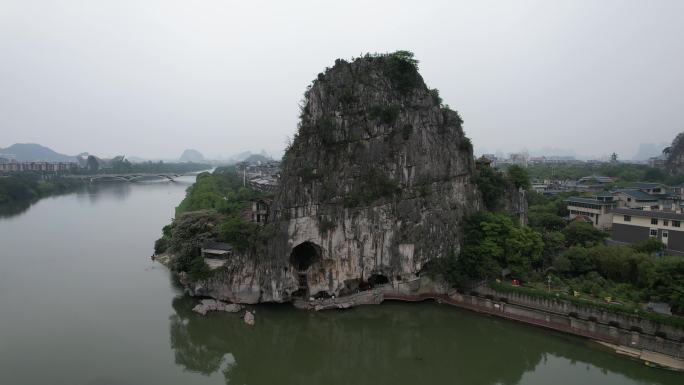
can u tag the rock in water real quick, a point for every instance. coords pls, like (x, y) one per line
(249, 318)
(207, 305)
(373, 187)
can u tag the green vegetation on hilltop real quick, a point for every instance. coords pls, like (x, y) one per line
(402, 69)
(221, 191)
(211, 210)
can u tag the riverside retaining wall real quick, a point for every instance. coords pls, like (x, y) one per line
(599, 325)
(588, 313)
(620, 329)
(613, 328)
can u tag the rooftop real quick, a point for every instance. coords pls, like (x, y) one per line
(645, 185)
(638, 195)
(587, 200)
(650, 214)
(217, 246)
(596, 178)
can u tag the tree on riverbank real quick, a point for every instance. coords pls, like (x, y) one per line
(27, 187)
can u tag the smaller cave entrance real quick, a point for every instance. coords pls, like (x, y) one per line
(302, 257)
(373, 281)
(378, 279)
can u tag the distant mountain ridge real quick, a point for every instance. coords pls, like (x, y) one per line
(33, 152)
(249, 156)
(191, 155)
(256, 158)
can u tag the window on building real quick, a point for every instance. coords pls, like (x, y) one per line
(629, 199)
(676, 223)
(628, 218)
(664, 234)
(665, 222)
(654, 232)
(654, 221)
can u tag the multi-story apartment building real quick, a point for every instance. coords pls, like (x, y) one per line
(52, 167)
(634, 225)
(597, 209)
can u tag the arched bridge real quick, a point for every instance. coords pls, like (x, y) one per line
(133, 177)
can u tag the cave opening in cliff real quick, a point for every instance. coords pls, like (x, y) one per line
(377, 279)
(304, 255)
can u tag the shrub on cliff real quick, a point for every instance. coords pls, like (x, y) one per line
(237, 232)
(491, 184)
(161, 245)
(371, 186)
(518, 176)
(386, 114)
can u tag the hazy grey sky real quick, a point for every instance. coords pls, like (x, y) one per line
(153, 77)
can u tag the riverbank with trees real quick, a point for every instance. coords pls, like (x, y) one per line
(19, 190)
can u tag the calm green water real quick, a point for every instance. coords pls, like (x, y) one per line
(82, 303)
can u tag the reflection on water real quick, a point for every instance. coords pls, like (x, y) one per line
(92, 192)
(108, 191)
(15, 208)
(390, 344)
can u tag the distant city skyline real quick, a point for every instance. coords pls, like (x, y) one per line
(153, 78)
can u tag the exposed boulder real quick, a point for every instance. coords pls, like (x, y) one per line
(249, 318)
(207, 305)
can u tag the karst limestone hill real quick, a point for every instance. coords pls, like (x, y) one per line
(374, 186)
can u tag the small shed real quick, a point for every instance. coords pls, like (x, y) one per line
(659, 307)
(216, 250)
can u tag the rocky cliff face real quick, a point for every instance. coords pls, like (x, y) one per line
(374, 186)
(674, 161)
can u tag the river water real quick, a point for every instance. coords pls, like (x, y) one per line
(82, 303)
